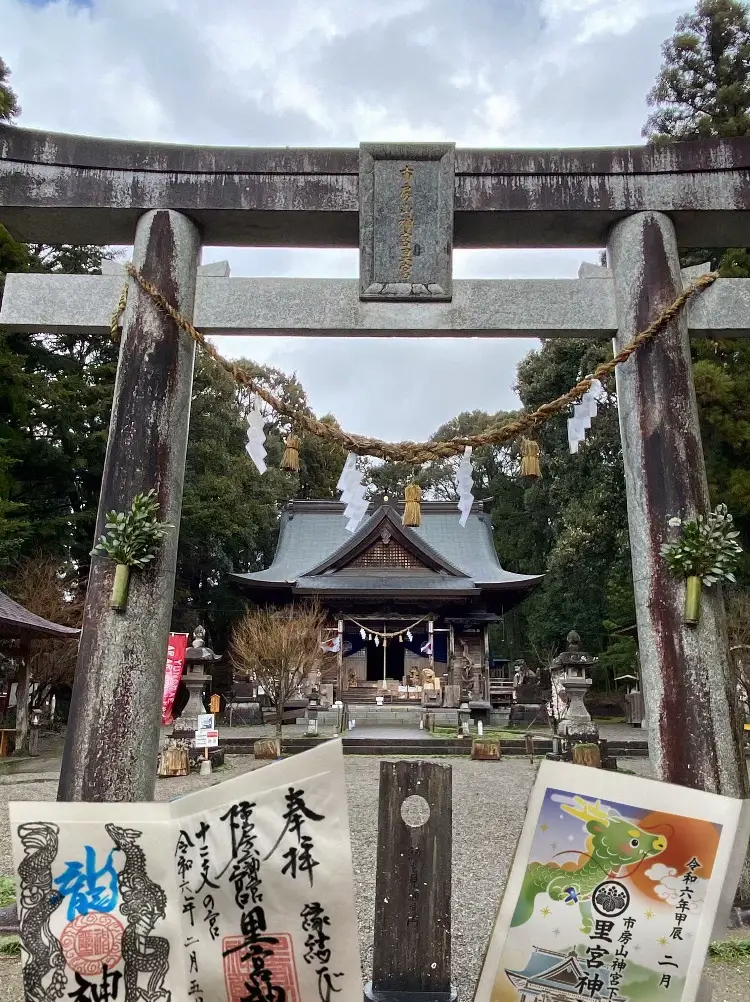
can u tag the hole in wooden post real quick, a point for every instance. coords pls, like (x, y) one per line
(415, 811)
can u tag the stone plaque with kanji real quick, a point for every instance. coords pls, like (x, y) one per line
(406, 221)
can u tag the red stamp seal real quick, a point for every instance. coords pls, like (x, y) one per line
(91, 941)
(280, 964)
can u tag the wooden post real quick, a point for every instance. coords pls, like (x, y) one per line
(412, 948)
(343, 682)
(693, 723)
(23, 689)
(112, 740)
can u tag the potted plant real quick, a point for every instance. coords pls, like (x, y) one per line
(132, 540)
(706, 553)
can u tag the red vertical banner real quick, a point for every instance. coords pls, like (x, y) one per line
(175, 661)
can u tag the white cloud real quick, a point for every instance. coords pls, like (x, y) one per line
(658, 871)
(336, 72)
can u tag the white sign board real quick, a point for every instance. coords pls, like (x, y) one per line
(206, 739)
(615, 889)
(205, 722)
(242, 890)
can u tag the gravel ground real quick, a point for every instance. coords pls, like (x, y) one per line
(488, 809)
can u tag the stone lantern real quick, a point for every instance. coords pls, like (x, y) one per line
(198, 660)
(574, 664)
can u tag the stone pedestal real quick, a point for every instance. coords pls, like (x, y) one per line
(577, 722)
(196, 682)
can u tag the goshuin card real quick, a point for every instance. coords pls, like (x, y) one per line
(615, 889)
(240, 891)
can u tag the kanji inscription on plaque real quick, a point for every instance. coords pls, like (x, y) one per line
(406, 220)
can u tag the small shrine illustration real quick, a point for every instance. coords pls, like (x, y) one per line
(550, 976)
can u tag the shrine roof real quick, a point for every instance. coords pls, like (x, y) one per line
(315, 552)
(16, 621)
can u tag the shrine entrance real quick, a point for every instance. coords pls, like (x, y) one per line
(408, 206)
(385, 661)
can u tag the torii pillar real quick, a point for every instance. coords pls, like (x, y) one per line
(693, 721)
(112, 741)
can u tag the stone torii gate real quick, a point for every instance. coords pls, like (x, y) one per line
(407, 206)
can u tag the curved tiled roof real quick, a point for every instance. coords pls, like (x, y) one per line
(15, 621)
(314, 532)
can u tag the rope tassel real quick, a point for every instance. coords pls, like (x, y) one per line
(530, 458)
(412, 511)
(290, 459)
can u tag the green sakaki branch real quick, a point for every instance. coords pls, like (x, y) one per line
(132, 539)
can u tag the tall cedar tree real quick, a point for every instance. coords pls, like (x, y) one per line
(703, 89)
(703, 92)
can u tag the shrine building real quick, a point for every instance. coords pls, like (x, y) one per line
(409, 608)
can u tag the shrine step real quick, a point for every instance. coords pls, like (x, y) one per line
(368, 695)
(427, 747)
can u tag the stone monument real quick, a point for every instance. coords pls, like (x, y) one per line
(198, 659)
(577, 734)
(572, 666)
(529, 699)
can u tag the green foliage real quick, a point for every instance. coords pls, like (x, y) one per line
(578, 507)
(721, 373)
(707, 549)
(230, 513)
(10, 946)
(9, 108)
(703, 88)
(7, 891)
(133, 536)
(730, 949)
(55, 399)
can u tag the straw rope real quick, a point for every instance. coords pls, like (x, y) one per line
(418, 452)
(114, 323)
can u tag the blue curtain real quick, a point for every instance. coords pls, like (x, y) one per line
(439, 643)
(353, 643)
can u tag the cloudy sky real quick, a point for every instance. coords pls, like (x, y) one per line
(492, 73)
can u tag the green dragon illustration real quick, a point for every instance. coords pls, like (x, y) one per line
(613, 842)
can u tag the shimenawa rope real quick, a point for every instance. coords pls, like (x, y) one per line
(415, 452)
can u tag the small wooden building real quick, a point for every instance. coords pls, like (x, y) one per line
(409, 608)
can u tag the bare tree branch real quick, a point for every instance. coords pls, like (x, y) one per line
(278, 649)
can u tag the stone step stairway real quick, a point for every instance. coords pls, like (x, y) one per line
(367, 692)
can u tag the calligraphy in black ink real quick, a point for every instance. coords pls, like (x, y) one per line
(299, 857)
(317, 953)
(91, 991)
